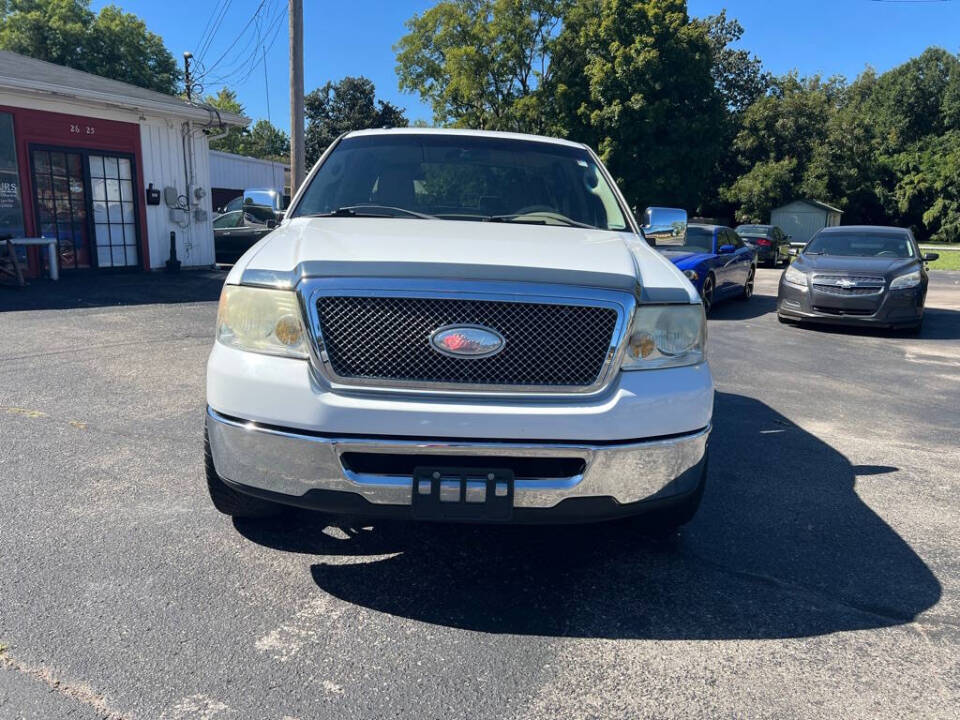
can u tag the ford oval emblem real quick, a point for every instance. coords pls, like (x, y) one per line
(467, 341)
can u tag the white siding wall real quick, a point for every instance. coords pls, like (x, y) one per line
(163, 165)
(239, 172)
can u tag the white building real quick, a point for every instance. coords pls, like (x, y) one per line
(231, 174)
(106, 168)
(802, 218)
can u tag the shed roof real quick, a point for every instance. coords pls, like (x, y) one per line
(814, 203)
(19, 73)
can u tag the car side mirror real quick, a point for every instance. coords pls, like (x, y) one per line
(725, 249)
(271, 224)
(930, 257)
(792, 252)
(663, 222)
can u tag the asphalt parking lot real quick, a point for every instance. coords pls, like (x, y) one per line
(821, 577)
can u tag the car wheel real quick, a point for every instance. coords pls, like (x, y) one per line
(747, 292)
(229, 501)
(706, 292)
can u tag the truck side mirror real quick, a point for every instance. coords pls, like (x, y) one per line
(663, 222)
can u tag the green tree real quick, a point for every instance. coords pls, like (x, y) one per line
(481, 63)
(112, 43)
(633, 78)
(337, 108)
(777, 140)
(267, 141)
(738, 75)
(234, 139)
(263, 140)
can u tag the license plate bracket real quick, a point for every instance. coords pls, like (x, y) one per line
(459, 493)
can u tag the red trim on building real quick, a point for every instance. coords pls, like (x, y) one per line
(40, 127)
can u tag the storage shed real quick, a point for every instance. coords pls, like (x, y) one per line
(802, 218)
(106, 168)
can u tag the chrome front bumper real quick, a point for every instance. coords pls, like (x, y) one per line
(292, 463)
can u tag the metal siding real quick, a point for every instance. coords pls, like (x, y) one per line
(164, 166)
(799, 220)
(239, 172)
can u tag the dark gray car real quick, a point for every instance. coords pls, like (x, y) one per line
(857, 275)
(771, 244)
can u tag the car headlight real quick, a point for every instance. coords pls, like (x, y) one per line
(908, 280)
(691, 275)
(666, 336)
(795, 277)
(261, 320)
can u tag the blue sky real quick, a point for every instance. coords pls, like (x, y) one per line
(356, 37)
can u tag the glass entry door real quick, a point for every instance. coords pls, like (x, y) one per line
(114, 214)
(61, 201)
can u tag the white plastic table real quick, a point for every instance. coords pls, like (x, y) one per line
(51, 244)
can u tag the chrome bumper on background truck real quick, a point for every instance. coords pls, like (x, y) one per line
(383, 476)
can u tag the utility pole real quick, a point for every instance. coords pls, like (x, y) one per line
(187, 80)
(297, 169)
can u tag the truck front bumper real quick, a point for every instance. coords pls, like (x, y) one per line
(319, 471)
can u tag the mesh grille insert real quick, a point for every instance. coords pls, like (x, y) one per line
(387, 338)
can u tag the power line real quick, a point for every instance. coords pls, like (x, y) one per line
(214, 29)
(243, 31)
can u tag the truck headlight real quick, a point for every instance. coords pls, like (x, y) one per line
(908, 280)
(795, 277)
(261, 320)
(666, 336)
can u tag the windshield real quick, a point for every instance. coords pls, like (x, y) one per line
(753, 230)
(697, 239)
(892, 245)
(461, 177)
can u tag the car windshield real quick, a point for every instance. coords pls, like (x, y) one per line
(697, 239)
(462, 177)
(753, 230)
(871, 244)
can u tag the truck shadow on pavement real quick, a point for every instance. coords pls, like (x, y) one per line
(782, 547)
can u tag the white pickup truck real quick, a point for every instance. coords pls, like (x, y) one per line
(459, 326)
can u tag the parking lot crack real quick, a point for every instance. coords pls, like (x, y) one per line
(79, 692)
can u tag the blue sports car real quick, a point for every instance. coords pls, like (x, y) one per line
(715, 260)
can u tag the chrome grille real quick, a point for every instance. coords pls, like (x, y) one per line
(386, 339)
(847, 292)
(858, 280)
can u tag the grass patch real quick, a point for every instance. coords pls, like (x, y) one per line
(948, 260)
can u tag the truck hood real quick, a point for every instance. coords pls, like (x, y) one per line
(414, 248)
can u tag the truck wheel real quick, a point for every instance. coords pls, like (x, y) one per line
(229, 501)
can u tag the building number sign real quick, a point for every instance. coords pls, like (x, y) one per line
(82, 129)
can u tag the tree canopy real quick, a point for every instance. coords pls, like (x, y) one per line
(111, 43)
(349, 104)
(480, 63)
(263, 140)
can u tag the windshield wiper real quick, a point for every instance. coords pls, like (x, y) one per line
(364, 211)
(532, 219)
